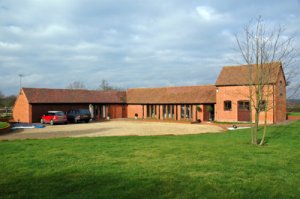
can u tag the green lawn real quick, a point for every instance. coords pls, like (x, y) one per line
(193, 166)
(294, 113)
(3, 125)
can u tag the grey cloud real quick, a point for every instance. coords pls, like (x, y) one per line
(130, 43)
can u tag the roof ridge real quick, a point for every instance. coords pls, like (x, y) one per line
(205, 85)
(243, 65)
(66, 89)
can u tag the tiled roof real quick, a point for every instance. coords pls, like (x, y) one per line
(182, 94)
(45, 95)
(239, 75)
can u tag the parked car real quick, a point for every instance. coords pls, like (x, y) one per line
(79, 115)
(53, 117)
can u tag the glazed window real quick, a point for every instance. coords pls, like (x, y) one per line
(227, 105)
(281, 89)
(153, 111)
(182, 111)
(187, 112)
(244, 105)
(262, 105)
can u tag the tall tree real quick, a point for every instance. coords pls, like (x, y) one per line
(2, 96)
(261, 47)
(7, 101)
(76, 85)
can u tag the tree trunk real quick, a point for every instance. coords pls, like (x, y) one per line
(256, 127)
(265, 131)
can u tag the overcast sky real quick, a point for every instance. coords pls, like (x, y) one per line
(130, 43)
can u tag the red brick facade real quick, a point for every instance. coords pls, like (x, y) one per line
(21, 110)
(231, 87)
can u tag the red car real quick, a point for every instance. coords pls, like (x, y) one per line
(53, 117)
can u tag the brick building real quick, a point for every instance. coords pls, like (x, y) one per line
(187, 103)
(32, 103)
(227, 100)
(232, 94)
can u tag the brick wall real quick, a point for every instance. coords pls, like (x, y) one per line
(133, 109)
(21, 109)
(235, 94)
(116, 111)
(280, 96)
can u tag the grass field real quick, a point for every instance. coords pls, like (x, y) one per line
(294, 113)
(3, 125)
(190, 166)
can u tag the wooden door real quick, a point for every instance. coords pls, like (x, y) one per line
(243, 111)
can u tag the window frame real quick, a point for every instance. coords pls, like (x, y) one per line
(263, 105)
(226, 107)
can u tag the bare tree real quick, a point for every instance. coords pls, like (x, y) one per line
(105, 86)
(76, 85)
(1, 95)
(262, 48)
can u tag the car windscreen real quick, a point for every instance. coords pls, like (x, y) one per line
(60, 113)
(50, 114)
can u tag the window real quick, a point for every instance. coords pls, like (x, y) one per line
(151, 111)
(182, 112)
(170, 109)
(164, 111)
(280, 84)
(244, 105)
(188, 111)
(262, 105)
(227, 105)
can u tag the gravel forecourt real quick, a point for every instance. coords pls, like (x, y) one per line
(111, 128)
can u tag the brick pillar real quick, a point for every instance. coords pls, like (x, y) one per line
(178, 112)
(194, 116)
(167, 109)
(161, 112)
(175, 112)
(201, 113)
(145, 111)
(157, 111)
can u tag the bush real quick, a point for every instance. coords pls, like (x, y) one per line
(4, 125)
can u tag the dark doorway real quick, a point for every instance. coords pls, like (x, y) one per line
(243, 111)
(124, 111)
(208, 112)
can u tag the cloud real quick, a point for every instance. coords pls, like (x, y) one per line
(10, 46)
(130, 43)
(209, 14)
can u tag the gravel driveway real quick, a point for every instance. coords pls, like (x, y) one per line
(111, 128)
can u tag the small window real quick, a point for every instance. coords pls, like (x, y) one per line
(281, 89)
(227, 105)
(262, 105)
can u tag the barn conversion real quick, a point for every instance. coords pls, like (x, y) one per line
(32, 103)
(227, 100)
